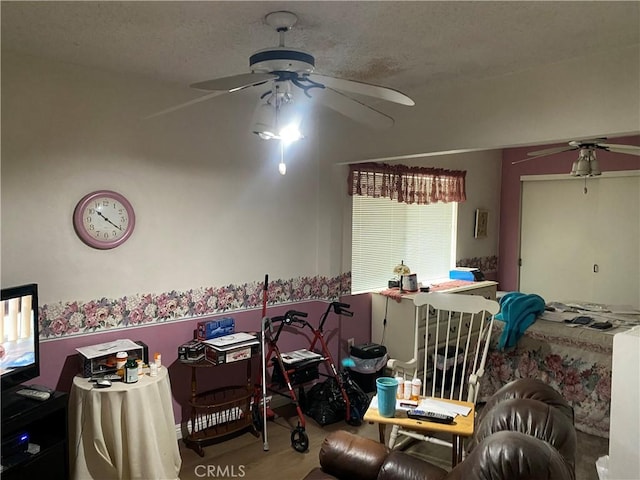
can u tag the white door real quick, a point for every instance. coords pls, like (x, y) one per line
(617, 244)
(581, 247)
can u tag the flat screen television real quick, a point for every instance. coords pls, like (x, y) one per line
(19, 350)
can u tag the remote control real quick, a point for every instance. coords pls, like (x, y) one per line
(429, 416)
(112, 377)
(34, 394)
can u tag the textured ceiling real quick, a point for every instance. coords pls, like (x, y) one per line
(405, 45)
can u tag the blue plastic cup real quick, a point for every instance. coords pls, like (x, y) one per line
(387, 388)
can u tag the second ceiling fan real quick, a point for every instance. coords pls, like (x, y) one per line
(586, 164)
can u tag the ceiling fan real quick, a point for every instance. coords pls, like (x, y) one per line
(286, 73)
(586, 165)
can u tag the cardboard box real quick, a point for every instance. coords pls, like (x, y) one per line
(101, 358)
(215, 328)
(231, 348)
(191, 351)
(217, 357)
(466, 273)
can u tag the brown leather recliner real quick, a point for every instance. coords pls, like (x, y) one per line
(524, 432)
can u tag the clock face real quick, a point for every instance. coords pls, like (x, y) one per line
(104, 219)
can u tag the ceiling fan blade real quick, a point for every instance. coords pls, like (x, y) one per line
(361, 88)
(550, 151)
(234, 82)
(184, 105)
(628, 149)
(543, 153)
(354, 109)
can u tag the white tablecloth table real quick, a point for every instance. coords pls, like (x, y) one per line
(124, 431)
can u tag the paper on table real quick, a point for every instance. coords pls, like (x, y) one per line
(233, 339)
(94, 351)
(399, 404)
(435, 405)
(429, 405)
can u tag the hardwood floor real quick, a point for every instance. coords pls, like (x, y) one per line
(245, 453)
(244, 456)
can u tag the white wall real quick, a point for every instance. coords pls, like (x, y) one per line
(211, 208)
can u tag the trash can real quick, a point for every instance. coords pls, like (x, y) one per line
(447, 364)
(370, 360)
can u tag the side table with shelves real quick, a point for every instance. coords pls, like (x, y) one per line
(219, 412)
(46, 424)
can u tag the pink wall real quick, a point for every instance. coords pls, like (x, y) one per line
(509, 247)
(59, 361)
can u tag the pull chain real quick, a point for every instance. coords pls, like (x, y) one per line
(282, 168)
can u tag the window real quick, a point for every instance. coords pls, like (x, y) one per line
(386, 232)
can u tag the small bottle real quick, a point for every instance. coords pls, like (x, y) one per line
(131, 371)
(157, 359)
(416, 387)
(121, 359)
(407, 390)
(400, 393)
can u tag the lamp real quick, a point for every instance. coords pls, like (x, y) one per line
(401, 270)
(586, 165)
(276, 116)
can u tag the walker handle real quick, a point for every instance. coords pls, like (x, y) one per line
(293, 314)
(341, 309)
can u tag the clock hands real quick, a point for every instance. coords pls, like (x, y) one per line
(109, 221)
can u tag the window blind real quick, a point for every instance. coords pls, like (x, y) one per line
(385, 232)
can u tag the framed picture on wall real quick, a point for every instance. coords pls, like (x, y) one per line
(482, 219)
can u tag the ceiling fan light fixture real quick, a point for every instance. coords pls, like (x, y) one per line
(595, 166)
(574, 168)
(582, 169)
(264, 121)
(289, 121)
(586, 165)
(276, 118)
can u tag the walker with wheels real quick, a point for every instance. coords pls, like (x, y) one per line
(292, 369)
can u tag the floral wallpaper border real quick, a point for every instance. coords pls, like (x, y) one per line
(64, 319)
(484, 264)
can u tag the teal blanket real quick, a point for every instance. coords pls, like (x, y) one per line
(517, 311)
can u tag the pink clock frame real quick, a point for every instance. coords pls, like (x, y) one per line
(85, 236)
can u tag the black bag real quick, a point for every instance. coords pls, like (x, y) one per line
(325, 403)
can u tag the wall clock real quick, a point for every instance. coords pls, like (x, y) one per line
(104, 219)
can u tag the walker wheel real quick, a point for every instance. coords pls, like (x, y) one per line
(299, 440)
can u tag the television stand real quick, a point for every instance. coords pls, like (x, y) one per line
(45, 422)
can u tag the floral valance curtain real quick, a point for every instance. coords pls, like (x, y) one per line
(421, 185)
